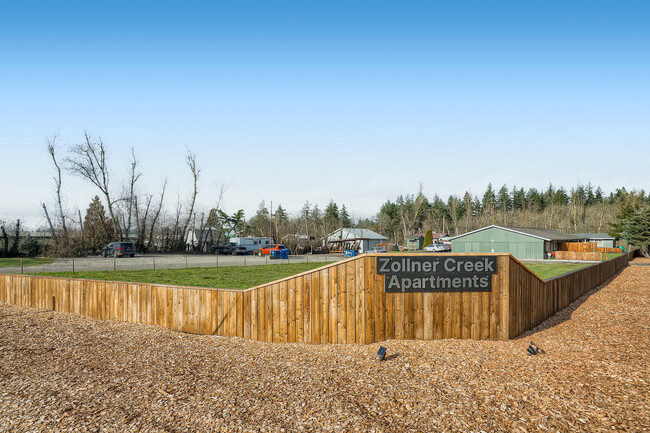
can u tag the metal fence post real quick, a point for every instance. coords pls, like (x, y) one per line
(185, 262)
(154, 263)
(22, 266)
(73, 265)
(114, 259)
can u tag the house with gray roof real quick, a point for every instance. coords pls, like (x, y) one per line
(361, 240)
(522, 243)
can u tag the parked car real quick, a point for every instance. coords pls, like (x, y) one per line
(266, 249)
(437, 248)
(230, 248)
(119, 249)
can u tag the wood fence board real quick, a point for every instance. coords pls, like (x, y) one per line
(305, 317)
(232, 313)
(438, 315)
(316, 308)
(247, 300)
(268, 315)
(365, 279)
(214, 312)
(418, 322)
(300, 305)
(447, 320)
(428, 316)
(400, 317)
(341, 316)
(276, 312)
(409, 316)
(261, 310)
(254, 314)
(350, 308)
(285, 321)
(325, 307)
(466, 315)
(389, 315)
(240, 314)
(379, 299)
(293, 309)
(456, 312)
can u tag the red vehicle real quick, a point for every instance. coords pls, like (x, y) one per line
(266, 249)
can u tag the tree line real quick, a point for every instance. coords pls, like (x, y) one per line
(121, 211)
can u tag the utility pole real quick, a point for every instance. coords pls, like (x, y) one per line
(271, 222)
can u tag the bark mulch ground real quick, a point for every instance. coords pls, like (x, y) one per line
(61, 372)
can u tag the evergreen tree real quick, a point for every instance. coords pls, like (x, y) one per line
(331, 217)
(428, 238)
(98, 228)
(504, 201)
(636, 229)
(344, 218)
(518, 198)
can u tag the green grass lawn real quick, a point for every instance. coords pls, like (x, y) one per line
(230, 277)
(550, 270)
(27, 261)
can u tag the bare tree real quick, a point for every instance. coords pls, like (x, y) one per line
(133, 178)
(51, 148)
(157, 214)
(88, 161)
(49, 222)
(190, 160)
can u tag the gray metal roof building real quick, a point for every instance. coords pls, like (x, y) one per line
(523, 243)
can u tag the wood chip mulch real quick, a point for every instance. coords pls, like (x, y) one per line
(62, 372)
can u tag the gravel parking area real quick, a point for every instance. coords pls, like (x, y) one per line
(163, 261)
(61, 372)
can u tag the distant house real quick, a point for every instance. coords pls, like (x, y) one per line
(523, 243)
(361, 240)
(603, 240)
(415, 242)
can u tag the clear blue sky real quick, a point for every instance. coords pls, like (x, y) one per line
(355, 101)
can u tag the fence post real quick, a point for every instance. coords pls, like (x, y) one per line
(22, 266)
(73, 265)
(154, 263)
(217, 260)
(185, 262)
(114, 259)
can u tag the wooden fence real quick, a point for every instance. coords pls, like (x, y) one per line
(577, 246)
(590, 256)
(343, 302)
(609, 250)
(533, 300)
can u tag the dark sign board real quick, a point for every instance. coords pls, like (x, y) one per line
(437, 273)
